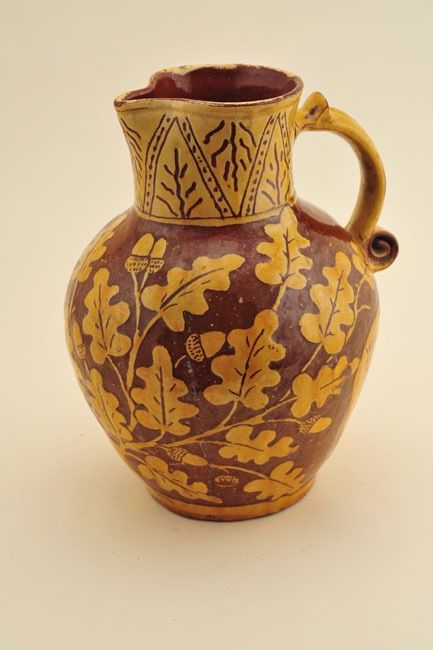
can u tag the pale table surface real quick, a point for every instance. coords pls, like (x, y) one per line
(87, 559)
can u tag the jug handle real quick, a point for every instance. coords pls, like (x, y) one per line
(380, 246)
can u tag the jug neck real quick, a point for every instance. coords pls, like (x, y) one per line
(207, 161)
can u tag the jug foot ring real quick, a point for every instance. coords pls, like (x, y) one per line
(229, 513)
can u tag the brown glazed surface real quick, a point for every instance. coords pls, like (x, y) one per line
(221, 329)
(230, 310)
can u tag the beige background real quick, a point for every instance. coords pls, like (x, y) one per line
(87, 560)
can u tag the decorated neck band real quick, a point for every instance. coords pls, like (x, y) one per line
(206, 162)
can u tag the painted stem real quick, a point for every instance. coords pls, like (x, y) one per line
(144, 280)
(132, 454)
(179, 361)
(137, 303)
(234, 468)
(138, 340)
(311, 359)
(131, 405)
(306, 366)
(229, 415)
(257, 419)
(357, 309)
(280, 295)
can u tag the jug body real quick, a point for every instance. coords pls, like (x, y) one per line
(221, 328)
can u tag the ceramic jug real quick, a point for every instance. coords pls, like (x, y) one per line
(221, 328)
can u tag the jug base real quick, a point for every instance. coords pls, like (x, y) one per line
(229, 513)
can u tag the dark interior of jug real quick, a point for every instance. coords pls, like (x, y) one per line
(239, 83)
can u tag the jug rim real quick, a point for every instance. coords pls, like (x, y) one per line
(223, 85)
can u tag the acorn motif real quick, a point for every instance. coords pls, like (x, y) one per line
(204, 346)
(315, 424)
(155, 264)
(226, 480)
(146, 254)
(181, 455)
(135, 263)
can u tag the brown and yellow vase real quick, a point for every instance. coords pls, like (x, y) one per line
(221, 328)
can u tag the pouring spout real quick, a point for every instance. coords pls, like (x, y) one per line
(217, 84)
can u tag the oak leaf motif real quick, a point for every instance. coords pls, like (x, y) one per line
(161, 406)
(185, 289)
(360, 263)
(364, 362)
(286, 261)
(246, 373)
(78, 340)
(333, 301)
(72, 349)
(282, 480)
(106, 406)
(103, 319)
(244, 446)
(328, 382)
(96, 249)
(156, 469)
